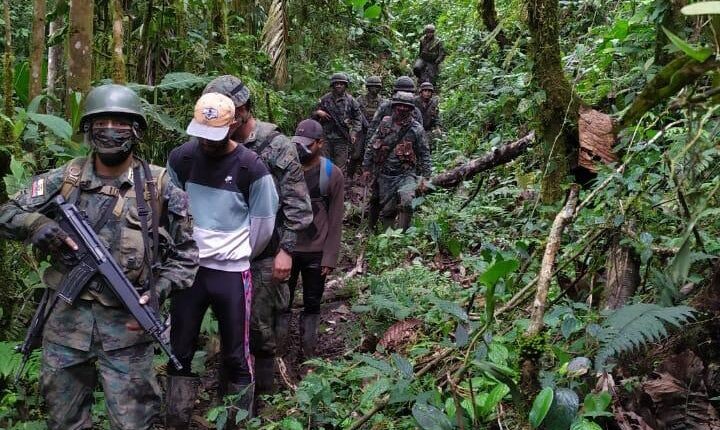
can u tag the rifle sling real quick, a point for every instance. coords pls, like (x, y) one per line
(143, 212)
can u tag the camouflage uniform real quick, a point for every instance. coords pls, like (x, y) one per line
(385, 109)
(432, 53)
(397, 155)
(368, 106)
(271, 297)
(430, 112)
(93, 329)
(337, 147)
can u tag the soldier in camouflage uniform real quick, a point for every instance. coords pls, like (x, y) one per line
(398, 158)
(271, 269)
(432, 53)
(97, 332)
(341, 118)
(429, 104)
(369, 103)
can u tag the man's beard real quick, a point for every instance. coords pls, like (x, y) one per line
(215, 149)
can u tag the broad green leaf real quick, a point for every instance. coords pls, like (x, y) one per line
(373, 12)
(451, 308)
(429, 417)
(498, 270)
(697, 54)
(541, 406)
(495, 396)
(374, 391)
(358, 4)
(403, 365)
(702, 8)
(58, 126)
(461, 335)
(291, 424)
(584, 424)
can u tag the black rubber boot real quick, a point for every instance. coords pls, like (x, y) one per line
(309, 333)
(180, 400)
(265, 375)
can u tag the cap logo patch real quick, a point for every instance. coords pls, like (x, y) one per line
(210, 113)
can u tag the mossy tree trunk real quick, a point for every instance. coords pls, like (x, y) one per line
(673, 20)
(54, 64)
(118, 57)
(557, 118)
(37, 48)
(486, 8)
(80, 55)
(143, 62)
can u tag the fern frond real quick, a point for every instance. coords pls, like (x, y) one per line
(635, 325)
(275, 39)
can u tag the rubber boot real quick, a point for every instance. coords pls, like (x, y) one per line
(244, 401)
(404, 219)
(282, 328)
(309, 333)
(264, 375)
(180, 400)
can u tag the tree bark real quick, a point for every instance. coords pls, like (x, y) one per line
(560, 106)
(623, 274)
(37, 49)
(489, 160)
(54, 62)
(489, 17)
(143, 60)
(119, 73)
(80, 53)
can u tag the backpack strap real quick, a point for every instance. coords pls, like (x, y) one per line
(326, 168)
(268, 140)
(71, 181)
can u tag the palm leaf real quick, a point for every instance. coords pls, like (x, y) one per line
(275, 39)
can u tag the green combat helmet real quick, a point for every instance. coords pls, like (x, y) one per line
(427, 86)
(404, 83)
(112, 99)
(339, 77)
(403, 98)
(230, 86)
(373, 81)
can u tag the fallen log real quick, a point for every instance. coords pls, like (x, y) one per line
(489, 160)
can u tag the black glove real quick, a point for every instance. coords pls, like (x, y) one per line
(49, 237)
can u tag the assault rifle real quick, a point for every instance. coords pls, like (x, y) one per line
(91, 258)
(331, 109)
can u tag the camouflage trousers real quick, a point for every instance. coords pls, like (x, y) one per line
(396, 194)
(270, 299)
(338, 151)
(69, 377)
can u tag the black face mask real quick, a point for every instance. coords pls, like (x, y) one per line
(304, 154)
(113, 158)
(113, 146)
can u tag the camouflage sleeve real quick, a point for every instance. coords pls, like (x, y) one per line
(379, 114)
(423, 152)
(355, 116)
(295, 204)
(369, 150)
(19, 213)
(177, 270)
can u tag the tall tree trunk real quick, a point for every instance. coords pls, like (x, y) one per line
(119, 74)
(80, 57)
(54, 63)
(489, 17)
(143, 59)
(673, 20)
(37, 49)
(218, 16)
(560, 106)
(623, 274)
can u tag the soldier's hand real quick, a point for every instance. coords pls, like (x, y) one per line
(365, 176)
(49, 237)
(322, 114)
(353, 138)
(282, 266)
(325, 270)
(133, 325)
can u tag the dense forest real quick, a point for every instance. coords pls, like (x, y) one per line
(561, 270)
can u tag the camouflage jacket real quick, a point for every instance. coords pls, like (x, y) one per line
(382, 154)
(385, 109)
(369, 105)
(73, 325)
(282, 160)
(432, 50)
(348, 109)
(430, 112)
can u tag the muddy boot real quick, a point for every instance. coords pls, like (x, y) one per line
(309, 333)
(282, 328)
(404, 219)
(245, 401)
(180, 400)
(265, 375)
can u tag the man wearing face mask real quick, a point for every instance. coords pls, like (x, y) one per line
(271, 268)
(369, 104)
(398, 158)
(318, 247)
(119, 195)
(233, 202)
(341, 118)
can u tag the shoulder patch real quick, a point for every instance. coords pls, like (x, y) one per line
(38, 188)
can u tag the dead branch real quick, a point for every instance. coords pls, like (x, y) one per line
(489, 160)
(562, 219)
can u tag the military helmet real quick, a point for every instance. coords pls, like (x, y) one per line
(339, 77)
(230, 86)
(427, 86)
(403, 98)
(404, 83)
(373, 81)
(429, 27)
(113, 98)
